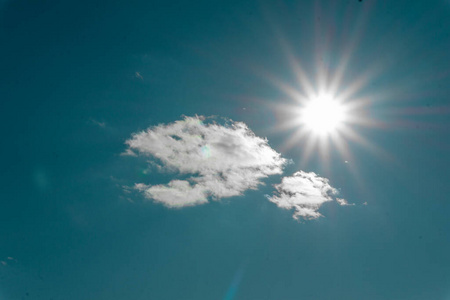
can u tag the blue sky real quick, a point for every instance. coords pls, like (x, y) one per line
(157, 150)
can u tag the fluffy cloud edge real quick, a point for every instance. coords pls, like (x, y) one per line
(304, 193)
(221, 160)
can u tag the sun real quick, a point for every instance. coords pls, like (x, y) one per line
(323, 121)
(326, 105)
(323, 114)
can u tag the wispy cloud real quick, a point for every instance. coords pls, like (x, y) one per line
(128, 152)
(138, 75)
(305, 193)
(219, 160)
(9, 258)
(98, 123)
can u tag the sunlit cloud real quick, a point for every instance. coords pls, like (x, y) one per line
(304, 193)
(213, 160)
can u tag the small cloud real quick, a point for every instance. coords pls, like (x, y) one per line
(3, 263)
(219, 161)
(98, 123)
(343, 202)
(127, 189)
(10, 258)
(126, 199)
(365, 203)
(305, 193)
(138, 75)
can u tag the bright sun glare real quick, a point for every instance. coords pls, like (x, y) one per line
(326, 103)
(323, 114)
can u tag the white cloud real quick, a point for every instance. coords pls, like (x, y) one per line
(220, 160)
(305, 193)
(343, 202)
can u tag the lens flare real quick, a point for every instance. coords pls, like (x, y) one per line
(206, 151)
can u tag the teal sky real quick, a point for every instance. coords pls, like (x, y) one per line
(80, 81)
